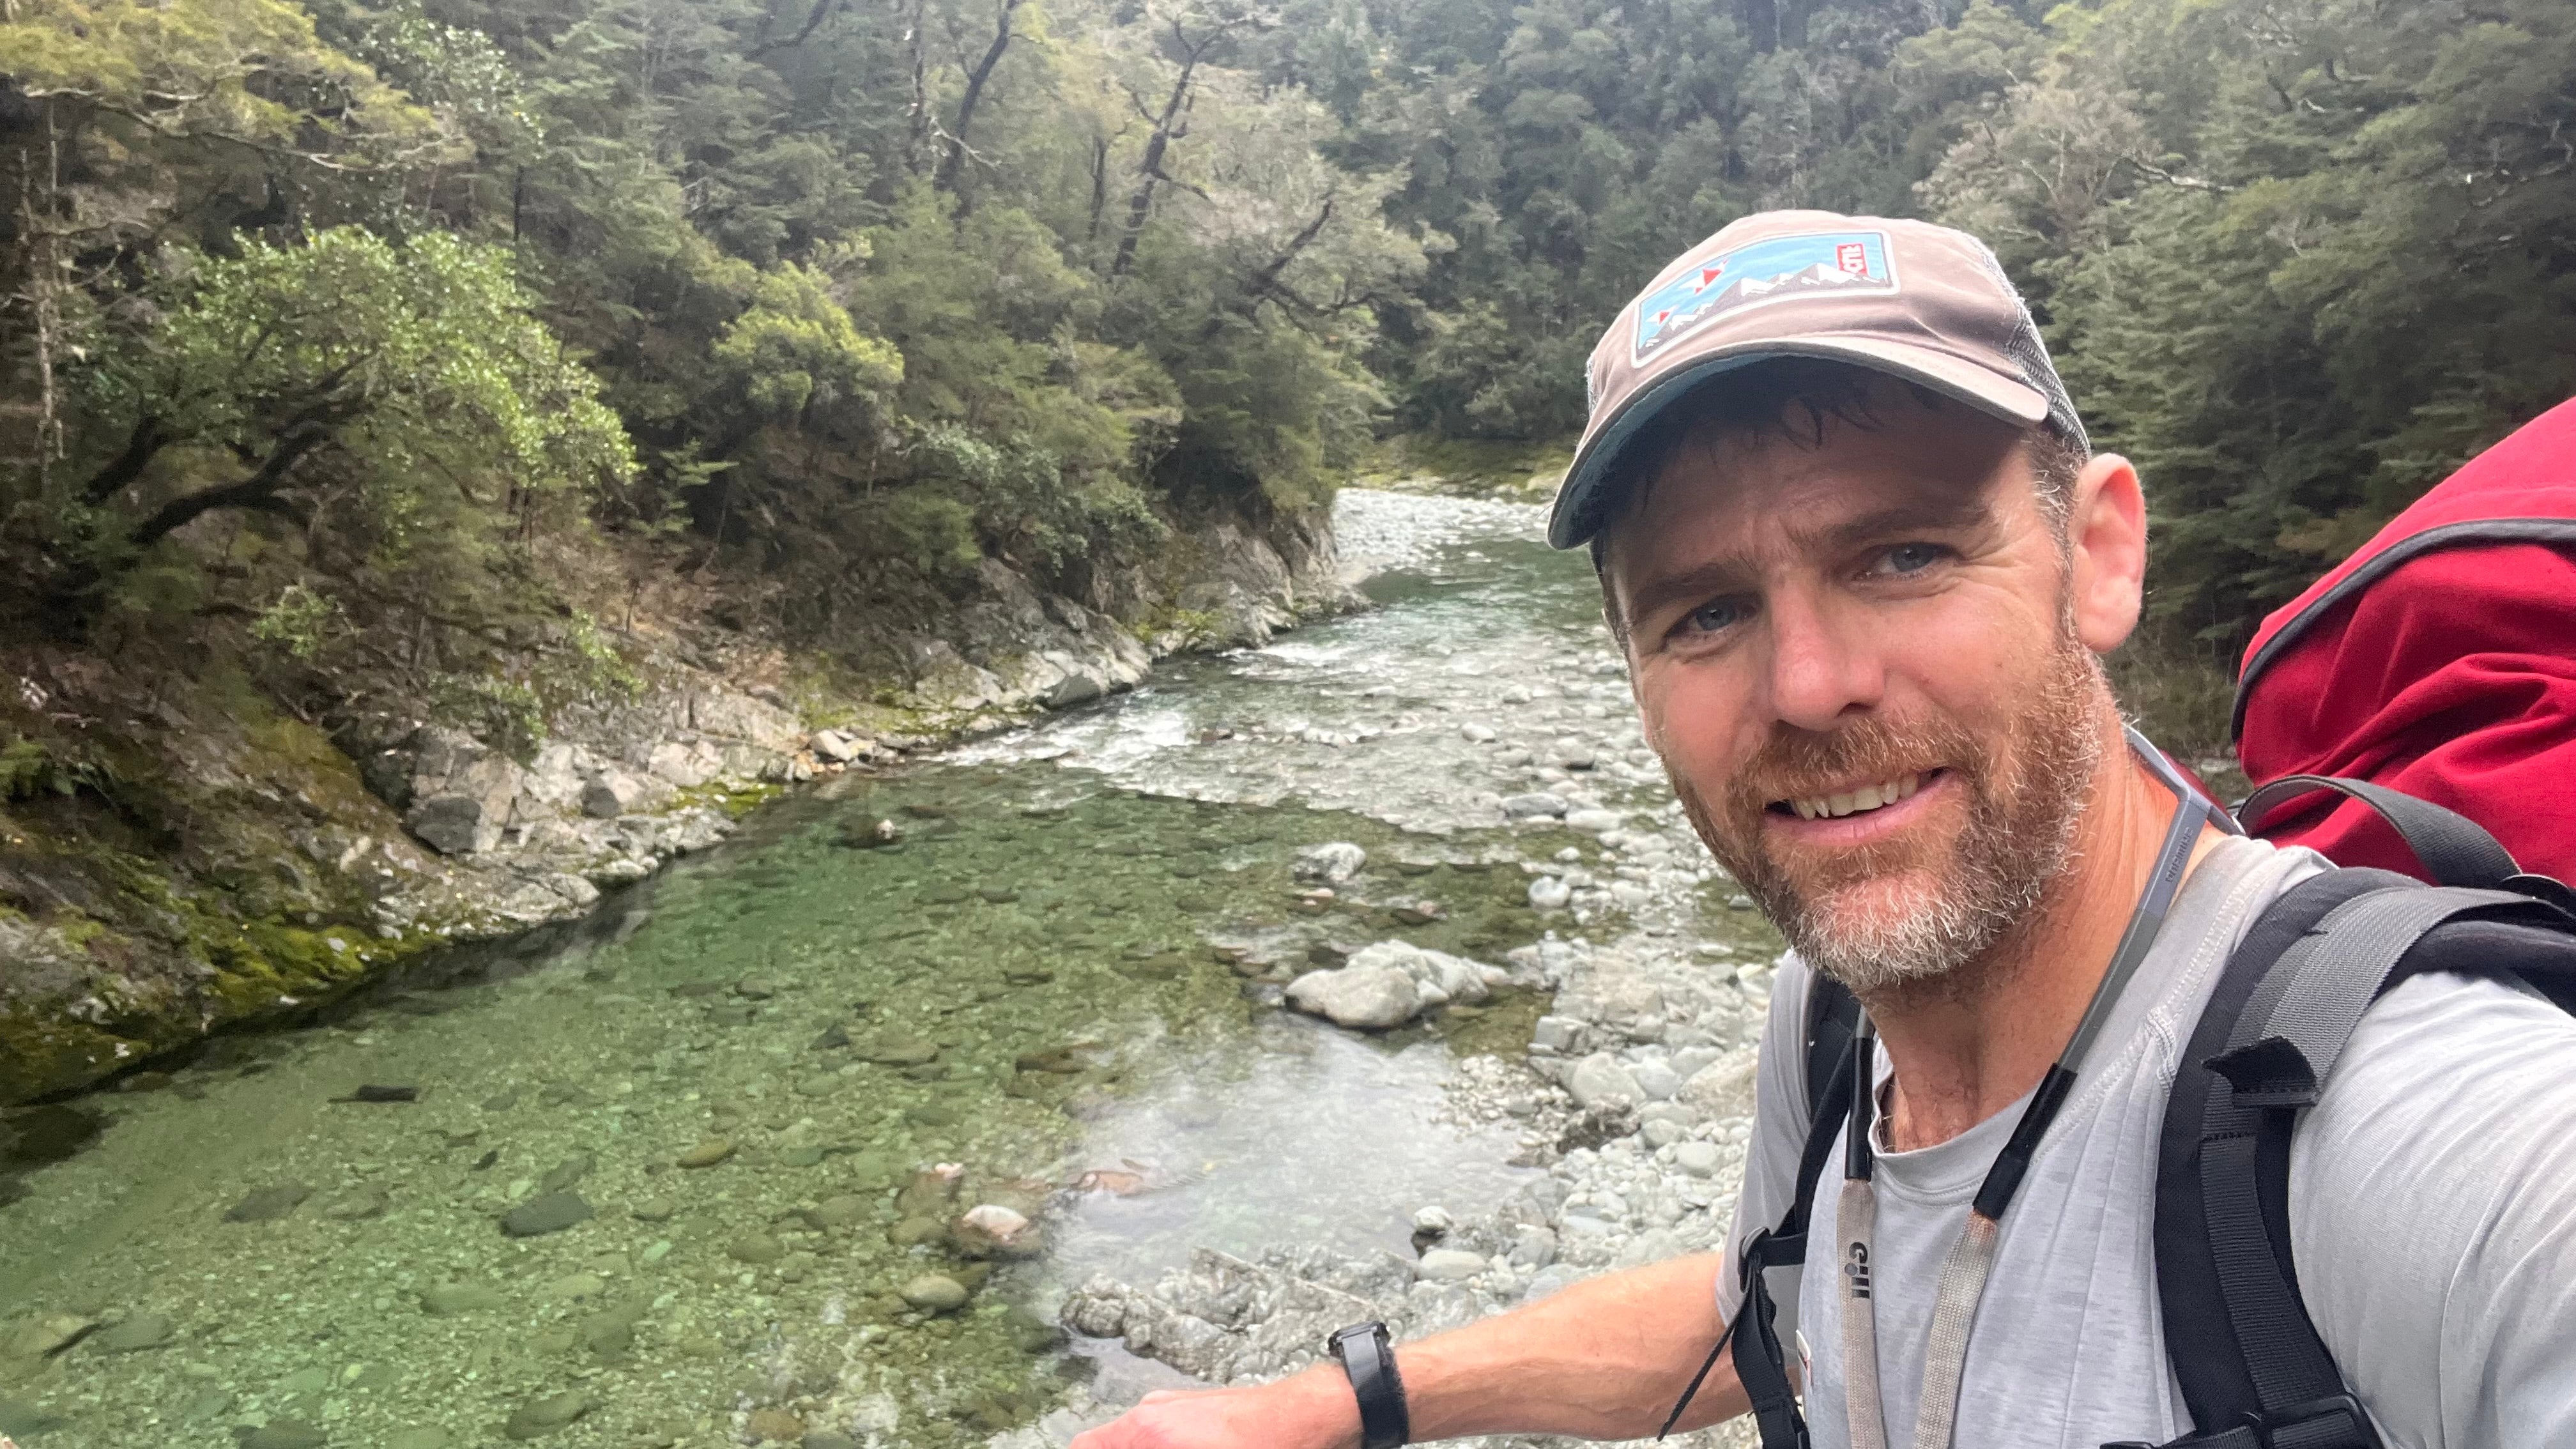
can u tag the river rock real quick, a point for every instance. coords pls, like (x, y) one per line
(551, 1213)
(935, 1293)
(1371, 998)
(283, 1434)
(990, 1230)
(1594, 822)
(898, 1051)
(268, 1204)
(1533, 806)
(45, 1335)
(1548, 893)
(612, 793)
(1449, 1265)
(707, 1153)
(445, 1299)
(1699, 1159)
(139, 1331)
(833, 747)
(539, 1417)
(1600, 1081)
(1723, 1088)
(833, 1213)
(1476, 734)
(758, 1249)
(1331, 863)
(1657, 1080)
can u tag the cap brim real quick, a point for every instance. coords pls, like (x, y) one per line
(1580, 504)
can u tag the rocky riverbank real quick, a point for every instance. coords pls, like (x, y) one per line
(231, 863)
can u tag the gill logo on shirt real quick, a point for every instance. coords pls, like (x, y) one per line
(1856, 1269)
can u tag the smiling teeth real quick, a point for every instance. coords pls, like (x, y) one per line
(1867, 797)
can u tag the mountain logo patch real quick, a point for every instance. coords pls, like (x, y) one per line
(1836, 263)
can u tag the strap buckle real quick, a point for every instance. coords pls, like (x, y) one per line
(2336, 1421)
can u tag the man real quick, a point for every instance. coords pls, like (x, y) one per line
(1862, 568)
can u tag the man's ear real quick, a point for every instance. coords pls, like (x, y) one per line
(2106, 533)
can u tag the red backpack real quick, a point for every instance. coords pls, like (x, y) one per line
(2439, 660)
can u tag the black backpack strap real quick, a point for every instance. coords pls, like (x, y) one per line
(2454, 850)
(1761, 1360)
(2253, 1369)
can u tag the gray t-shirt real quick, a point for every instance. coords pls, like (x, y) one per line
(2432, 1204)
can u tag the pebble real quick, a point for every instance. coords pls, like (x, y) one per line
(1699, 1159)
(544, 1416)
(935, 1293)
(707, 1153)
(653, 1210)
(1548, 893)
(565, 1173)
(552, 1213)
(1332, 862)
(775, 1424)
(359, 1205)
(1533, 806)
(1476, 734)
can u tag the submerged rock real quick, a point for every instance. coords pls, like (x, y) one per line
(935, 1293)
(543, 1416)
(551, 1213)
(268, 1204)
(1331, 863)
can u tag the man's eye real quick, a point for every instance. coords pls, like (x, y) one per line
(1715, 616)
(1910, 558)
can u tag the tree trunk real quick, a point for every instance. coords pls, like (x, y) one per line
(955, 156)
(1150, 169)
(259, 490)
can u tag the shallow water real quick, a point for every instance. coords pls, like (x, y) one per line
(1061, 978)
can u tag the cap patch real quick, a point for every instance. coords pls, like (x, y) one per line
(1776, 269)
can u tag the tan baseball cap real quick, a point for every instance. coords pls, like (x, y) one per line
(1917, 301)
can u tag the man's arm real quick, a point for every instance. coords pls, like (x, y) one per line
(1603, 1359)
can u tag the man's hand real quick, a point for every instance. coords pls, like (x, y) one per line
(1311, 1410)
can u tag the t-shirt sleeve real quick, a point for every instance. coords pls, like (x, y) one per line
(2433, 1216)
(1779, 1132)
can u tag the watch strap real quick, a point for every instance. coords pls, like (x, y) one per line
(1367, 1354)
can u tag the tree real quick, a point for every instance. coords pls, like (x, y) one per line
(358, 388)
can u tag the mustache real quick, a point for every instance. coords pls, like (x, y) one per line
(1795, 763)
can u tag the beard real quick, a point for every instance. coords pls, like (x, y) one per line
(1850, 915)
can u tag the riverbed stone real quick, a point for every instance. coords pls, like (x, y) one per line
(1600, 1081)
(551, 1213)
(268, 1204)
(1371, 998)
(1536, 805)
(1449, 1265)
(708, 1152)
(544, 1415)
(283, 1434)
(446, 1299)
(1549, 893)
(935, 1293)
(758, 1249)
(138, 1332)
(1331, 863)
(1699, 1159)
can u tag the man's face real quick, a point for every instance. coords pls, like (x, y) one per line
(1858, 663)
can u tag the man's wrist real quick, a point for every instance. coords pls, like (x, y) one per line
(1322, 1404)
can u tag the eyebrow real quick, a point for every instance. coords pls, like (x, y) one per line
(1956, 513)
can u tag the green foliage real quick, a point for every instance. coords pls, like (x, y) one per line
(297, 622)
(795, 349)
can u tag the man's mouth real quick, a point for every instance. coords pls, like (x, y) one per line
(1857, 800)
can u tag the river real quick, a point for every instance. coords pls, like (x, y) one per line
(685, 1174)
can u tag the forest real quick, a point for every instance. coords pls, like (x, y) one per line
(414, 338)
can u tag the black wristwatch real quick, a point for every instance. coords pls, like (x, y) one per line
(1367, 1354)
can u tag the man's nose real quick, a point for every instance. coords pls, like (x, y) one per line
(1822, 666)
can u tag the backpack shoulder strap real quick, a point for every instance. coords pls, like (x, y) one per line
(2253, 1369)
(1832, 1020)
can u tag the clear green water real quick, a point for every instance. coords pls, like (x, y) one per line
(1033, 984)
